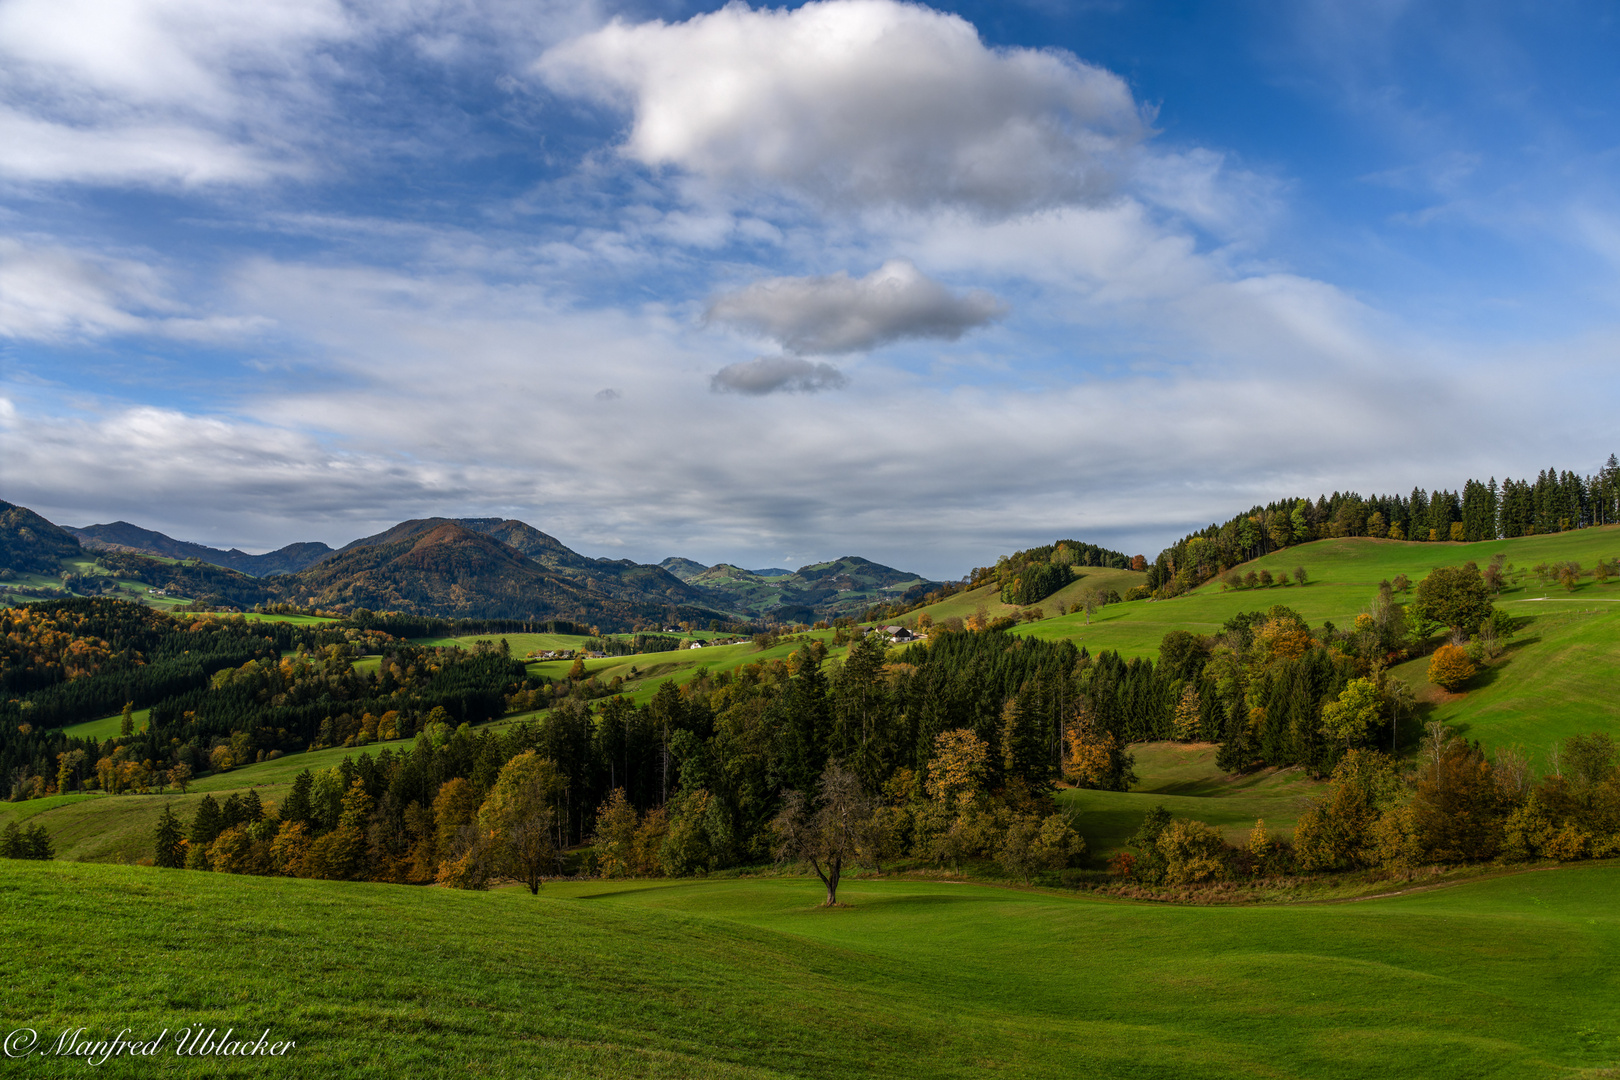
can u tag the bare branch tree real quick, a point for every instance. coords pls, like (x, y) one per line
(832, 833)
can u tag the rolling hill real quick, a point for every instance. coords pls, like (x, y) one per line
(440, 567)
(1512, 976)
(122, 536)
(30, 544)
(827, 590)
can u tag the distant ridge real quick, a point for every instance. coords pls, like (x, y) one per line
(122, 536)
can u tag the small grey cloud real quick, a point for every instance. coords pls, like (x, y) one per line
(769, 374)
(840, 314)
(608, 394)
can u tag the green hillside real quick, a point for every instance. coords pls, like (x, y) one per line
(1556, 678)
(1183, 778)
(1343, 577)
(1087, 579)
(749, 979)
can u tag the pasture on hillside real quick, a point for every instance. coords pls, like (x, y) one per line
(1508, 977)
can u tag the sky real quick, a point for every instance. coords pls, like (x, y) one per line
(775, 285)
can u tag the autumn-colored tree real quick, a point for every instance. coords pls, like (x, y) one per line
(288, 849)
(576, 673)
(518, 818)
(1451, 667)
(650, 836)
(1285, 638)
(1261, 845)
(1193, 853)
(615, 839)
(956, 773)
(233, 852)
(1336, 831)
(1093, 758)
(180, 776)
(1187, 715)
(1456, 803)
(69, 766)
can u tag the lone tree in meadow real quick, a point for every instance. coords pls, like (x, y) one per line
(829, 833)
(1455, 596)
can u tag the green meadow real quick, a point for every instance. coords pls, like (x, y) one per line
(94, 827)
(1182, 778)
(107, 727)
(1558, 676)
(1510, 977)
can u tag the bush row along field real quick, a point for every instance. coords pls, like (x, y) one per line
(1510, 977)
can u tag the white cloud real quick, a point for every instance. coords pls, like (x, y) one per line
(208, 92)
(866, 101)
(841, 314)
(770, 374)
(909, 471)
(53, 293)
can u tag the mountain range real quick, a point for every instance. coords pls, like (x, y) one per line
(452, 567)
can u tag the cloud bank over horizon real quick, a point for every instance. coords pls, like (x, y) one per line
(763, 285)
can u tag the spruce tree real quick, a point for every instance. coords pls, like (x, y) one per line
(38, 844)
(126, 725)
(252, 808)
(233, 813)
(12, 844)
(208, 824)
(167, 840)
(297, 807)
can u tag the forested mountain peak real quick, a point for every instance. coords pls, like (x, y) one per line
(30, 544)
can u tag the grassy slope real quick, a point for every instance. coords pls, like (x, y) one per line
(1344, 577)
(1512, 977)
(107, 727)
(1557, 679)
(966, 603)
(1183, 778)
(118, 828)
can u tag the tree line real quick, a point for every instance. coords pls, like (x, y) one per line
(1555, 501)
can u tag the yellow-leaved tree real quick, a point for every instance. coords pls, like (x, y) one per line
(518, 818)
(956, 774)
(1450, 667)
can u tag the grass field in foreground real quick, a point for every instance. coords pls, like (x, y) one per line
(1511, 977)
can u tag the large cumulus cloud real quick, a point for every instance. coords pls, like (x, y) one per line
(870, 102)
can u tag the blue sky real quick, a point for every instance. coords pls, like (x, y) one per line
(772, 285)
